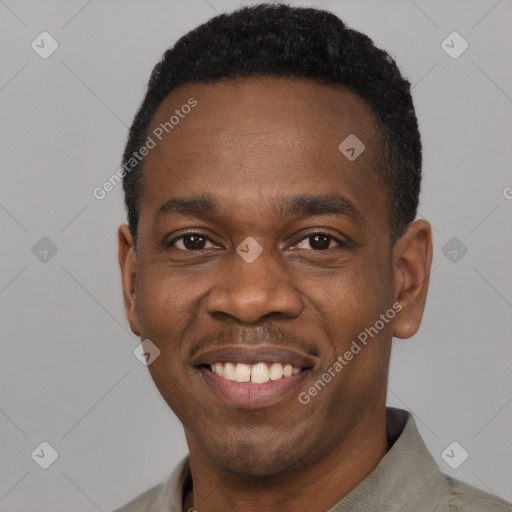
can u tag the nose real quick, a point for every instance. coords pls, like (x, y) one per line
(251, 291)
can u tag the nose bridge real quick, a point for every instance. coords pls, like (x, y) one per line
(252, 288)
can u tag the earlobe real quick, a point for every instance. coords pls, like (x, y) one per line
(412, 259)
(127, 264)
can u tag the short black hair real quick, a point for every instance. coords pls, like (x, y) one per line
(292, 42)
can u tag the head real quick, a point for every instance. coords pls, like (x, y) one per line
(250, 122)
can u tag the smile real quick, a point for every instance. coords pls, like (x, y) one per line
(258, 373)
(252, 376)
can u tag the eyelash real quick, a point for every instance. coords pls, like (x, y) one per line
(341, 243)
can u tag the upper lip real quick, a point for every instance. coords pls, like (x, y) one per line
(254, 354)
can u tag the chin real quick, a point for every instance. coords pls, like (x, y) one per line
(253, 465)
(258, 458)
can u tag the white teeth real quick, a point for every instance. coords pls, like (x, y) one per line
(219, 370)
(287, 370)
(257, 373)
(229, 371)
(276, 371)
(242, 372)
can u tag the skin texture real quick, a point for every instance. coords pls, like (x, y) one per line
(248, 143)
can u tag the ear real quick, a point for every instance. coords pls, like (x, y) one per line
(127, 263)
(412, 259)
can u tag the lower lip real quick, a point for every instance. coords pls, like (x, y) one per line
(250, 394)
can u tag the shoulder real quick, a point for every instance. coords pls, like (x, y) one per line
(463, 497)
(166, 495)
(144, 502)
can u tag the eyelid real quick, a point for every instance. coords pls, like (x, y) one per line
(322, 231)
(171, 242)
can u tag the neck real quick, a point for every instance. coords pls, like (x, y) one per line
(315, 488)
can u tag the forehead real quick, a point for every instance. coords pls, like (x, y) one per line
(247, 141)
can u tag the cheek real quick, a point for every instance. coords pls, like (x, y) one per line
(163, 300)
(165, 308)
(349, 309)
(163, 319)
(356, 363)
(352, 298)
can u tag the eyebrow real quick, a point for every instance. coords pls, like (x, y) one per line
(308, 205)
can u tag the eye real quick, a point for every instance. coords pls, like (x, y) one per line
(191, 242)
(319, 241)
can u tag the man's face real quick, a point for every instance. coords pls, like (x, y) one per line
(249, 147)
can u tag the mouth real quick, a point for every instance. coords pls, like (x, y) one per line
(258, 373)
(253, 376)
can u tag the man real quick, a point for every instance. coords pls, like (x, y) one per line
(271, 178)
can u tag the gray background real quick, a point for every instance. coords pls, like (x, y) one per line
(68, 375)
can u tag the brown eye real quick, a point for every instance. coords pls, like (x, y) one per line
(190, 242)
(318, 241)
